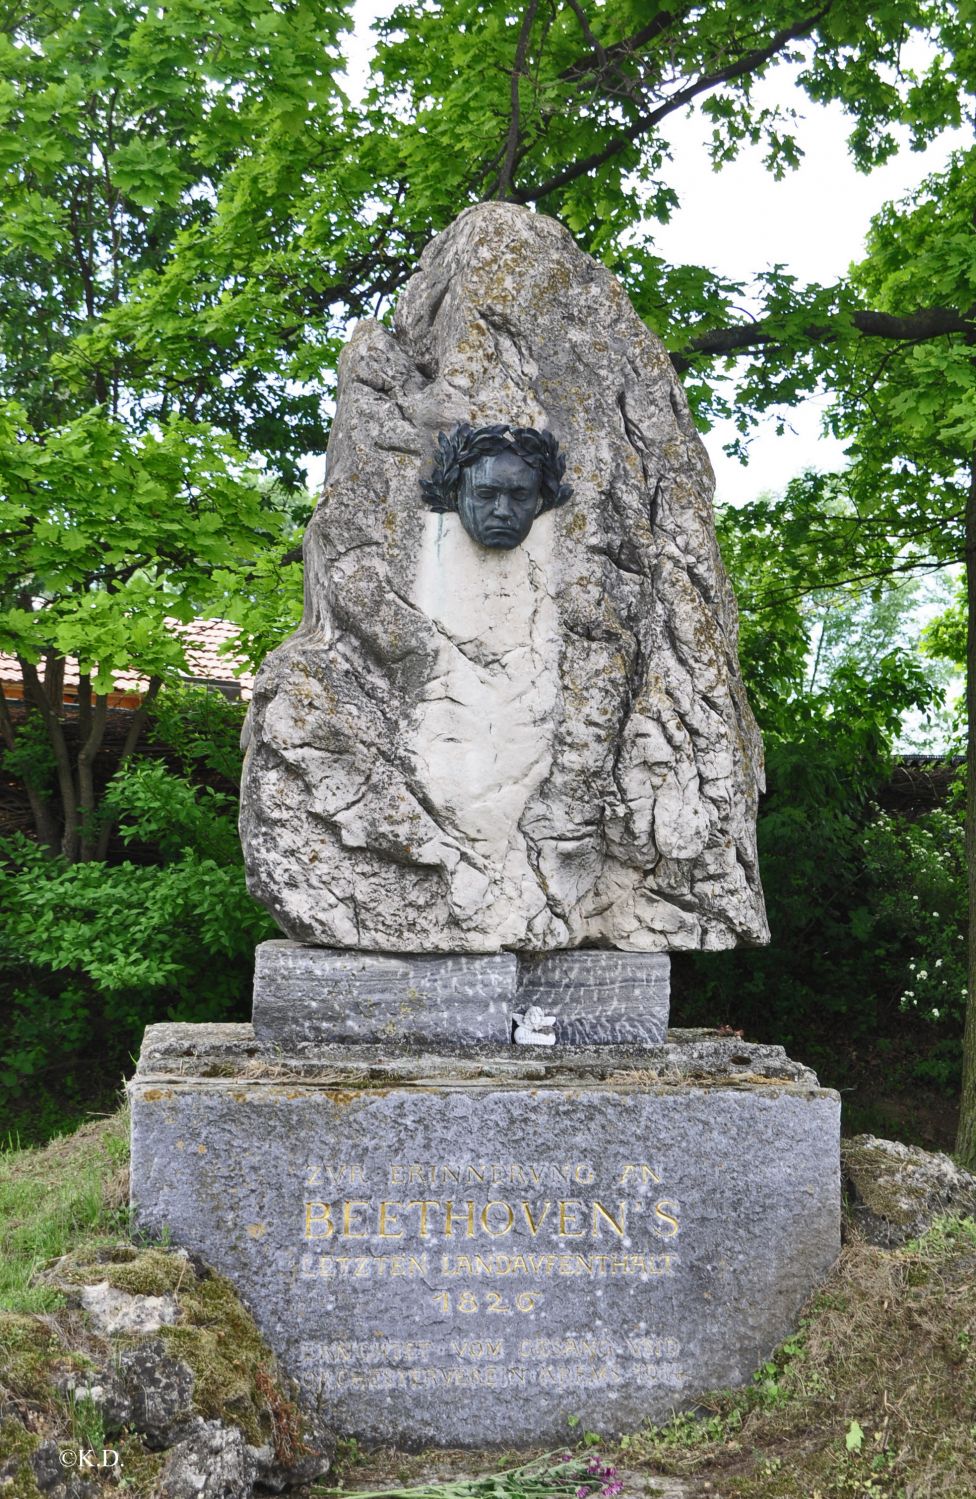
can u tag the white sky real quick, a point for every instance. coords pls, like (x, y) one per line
(739, 221)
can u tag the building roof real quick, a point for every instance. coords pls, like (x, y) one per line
(203, 639)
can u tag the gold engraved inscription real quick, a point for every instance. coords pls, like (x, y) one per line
(647, 1266)
(364, 1266)
(491, 1301)
(568, 1218)
(488, 1255)
(490, 1173)
(490, 1240)
(342, 1174)
(532, 1348)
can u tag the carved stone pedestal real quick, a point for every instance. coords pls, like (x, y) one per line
(466, 1250)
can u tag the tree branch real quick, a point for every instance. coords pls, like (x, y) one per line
(601, 63)
(774, 598)
(600, 56)
(503, 187)
(748, 63)
(912, 327)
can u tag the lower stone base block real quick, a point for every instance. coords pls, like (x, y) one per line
(467, 1251)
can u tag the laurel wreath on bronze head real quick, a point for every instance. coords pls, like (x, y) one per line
(467, 444)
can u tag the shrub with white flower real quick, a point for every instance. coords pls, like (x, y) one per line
(931, 909)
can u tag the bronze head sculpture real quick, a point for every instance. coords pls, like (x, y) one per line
(497, 479)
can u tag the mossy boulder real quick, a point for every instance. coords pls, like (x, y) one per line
(895, 1192)
(174, 1395)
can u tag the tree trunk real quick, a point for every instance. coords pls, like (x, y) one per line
(34, 693)
(131, 740)
(54, 680)
(966, 1138)
(45, 823)
(90, 745)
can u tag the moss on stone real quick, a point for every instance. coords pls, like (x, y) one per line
(64, 1207)
(139, 1272)
(889, 1195)
(149, 1272)
(30, 1355)
(16, 1474)
(138, 1467)
(217, 1339)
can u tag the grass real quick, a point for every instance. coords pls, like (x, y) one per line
(53, 1199)
(874, 1397)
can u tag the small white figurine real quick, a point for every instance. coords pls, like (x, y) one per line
(529, 1028)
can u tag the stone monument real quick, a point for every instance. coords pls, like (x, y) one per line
(465, 1179)
(530, 739)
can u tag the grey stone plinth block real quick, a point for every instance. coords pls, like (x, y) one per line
(304, 993)
(467, 1251)
(600, 998)
(318, 994)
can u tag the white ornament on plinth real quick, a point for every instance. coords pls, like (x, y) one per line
(529, 1028)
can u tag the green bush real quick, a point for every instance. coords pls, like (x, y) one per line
(867, 914)
(864, 975)
(92, 953)
(918, 870)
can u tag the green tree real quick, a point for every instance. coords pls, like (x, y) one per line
(895, 346)
(866, 909)
(190, 212)
(562, 106)
(122, 497)
(92, 953)
(911, 420)
(182, 251)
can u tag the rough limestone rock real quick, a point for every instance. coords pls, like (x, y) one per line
(465, 748)
(161, 1390)
(52, 1477)
(102, 1388)
(895, 1191)
(213, 1463)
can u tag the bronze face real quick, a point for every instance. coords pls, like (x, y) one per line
(498, 499)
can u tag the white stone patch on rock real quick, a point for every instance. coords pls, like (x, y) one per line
(113, 1312)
